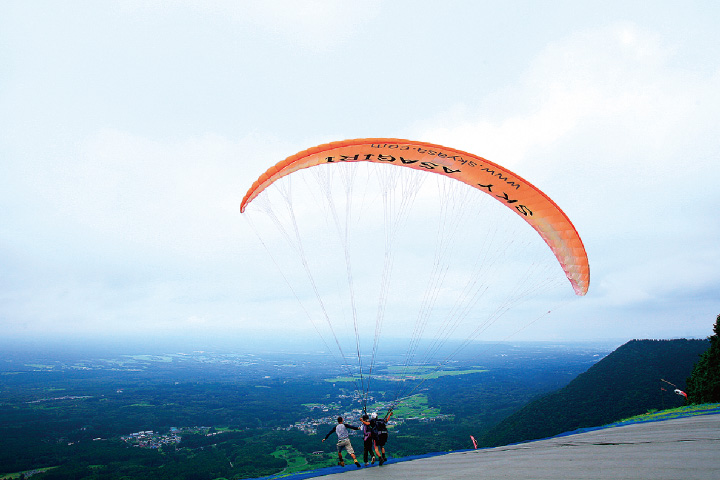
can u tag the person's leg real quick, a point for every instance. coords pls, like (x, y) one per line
(381, 457)
(341, 462)
(381, 441)
(351, 451)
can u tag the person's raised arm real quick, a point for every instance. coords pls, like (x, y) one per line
(332, 430)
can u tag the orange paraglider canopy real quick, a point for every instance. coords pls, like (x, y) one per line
(516, 193)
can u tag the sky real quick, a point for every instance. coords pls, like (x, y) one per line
(130, 131)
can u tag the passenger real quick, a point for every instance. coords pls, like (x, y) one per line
(371, 426)
(343, 441)
(381, 433)
(368, 439)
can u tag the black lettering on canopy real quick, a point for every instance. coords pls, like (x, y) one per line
(389, 158)
(505, 197)
(524, 210)
(428, 165)
(346, 158)
(405, 161)
(501, 177)
(520, 208)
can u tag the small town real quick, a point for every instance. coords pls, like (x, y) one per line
(309, 425)
(151, 439)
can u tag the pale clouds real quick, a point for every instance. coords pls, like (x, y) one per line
(315, 25)
(626, 140)
(618, 77)
(127, 234)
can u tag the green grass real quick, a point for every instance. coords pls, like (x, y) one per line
(414, 372)
(26, 472)
(686, 411)
(412, 407)
(297, 462)
(451, 373)
(398, 369)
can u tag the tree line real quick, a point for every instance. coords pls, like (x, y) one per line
(703, 385)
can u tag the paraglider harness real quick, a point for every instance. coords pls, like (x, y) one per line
(381, 432)
(378, 429)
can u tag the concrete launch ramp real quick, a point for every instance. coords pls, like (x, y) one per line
(683, 448)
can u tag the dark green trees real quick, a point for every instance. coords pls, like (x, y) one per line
(623, 384)
(703, 386)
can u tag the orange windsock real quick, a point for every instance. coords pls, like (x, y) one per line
(516, 193)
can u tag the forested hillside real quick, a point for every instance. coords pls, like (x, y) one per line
(627, 382)
(704, 383)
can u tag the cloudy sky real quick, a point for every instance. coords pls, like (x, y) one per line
(130, 131)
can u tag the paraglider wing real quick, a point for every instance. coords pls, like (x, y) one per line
(680, 392)
(516, 193)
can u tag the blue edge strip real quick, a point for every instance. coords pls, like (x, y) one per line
(713, 409)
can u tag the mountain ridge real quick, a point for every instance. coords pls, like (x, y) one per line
(627, 382)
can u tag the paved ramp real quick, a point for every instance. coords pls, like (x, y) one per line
(680, 449)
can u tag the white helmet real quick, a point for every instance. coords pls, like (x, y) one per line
(374, 415)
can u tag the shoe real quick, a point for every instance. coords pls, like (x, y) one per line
(373, 460)
(384, 457)
(382, 460)
(366, 464)
(341, 463)
(357, 464)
